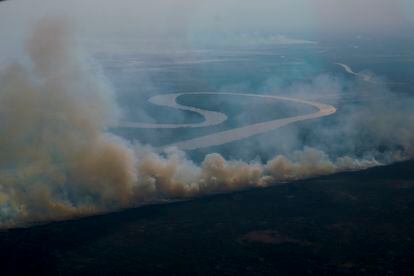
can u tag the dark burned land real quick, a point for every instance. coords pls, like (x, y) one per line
(348, 223)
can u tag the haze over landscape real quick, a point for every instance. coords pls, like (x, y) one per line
(107, 106)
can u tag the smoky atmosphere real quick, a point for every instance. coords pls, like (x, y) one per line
(207, 137)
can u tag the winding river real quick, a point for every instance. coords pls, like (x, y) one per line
(212, 118)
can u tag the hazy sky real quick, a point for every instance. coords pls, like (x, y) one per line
(187, 18)
(279, 15)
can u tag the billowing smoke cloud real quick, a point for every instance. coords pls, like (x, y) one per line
(58, 160)
(54, 111)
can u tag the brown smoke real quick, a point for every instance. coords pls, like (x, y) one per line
(59, 161)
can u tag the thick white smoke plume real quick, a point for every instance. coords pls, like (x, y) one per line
(59, 161)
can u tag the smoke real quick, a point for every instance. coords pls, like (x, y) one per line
(59, 160)
(56, 156)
